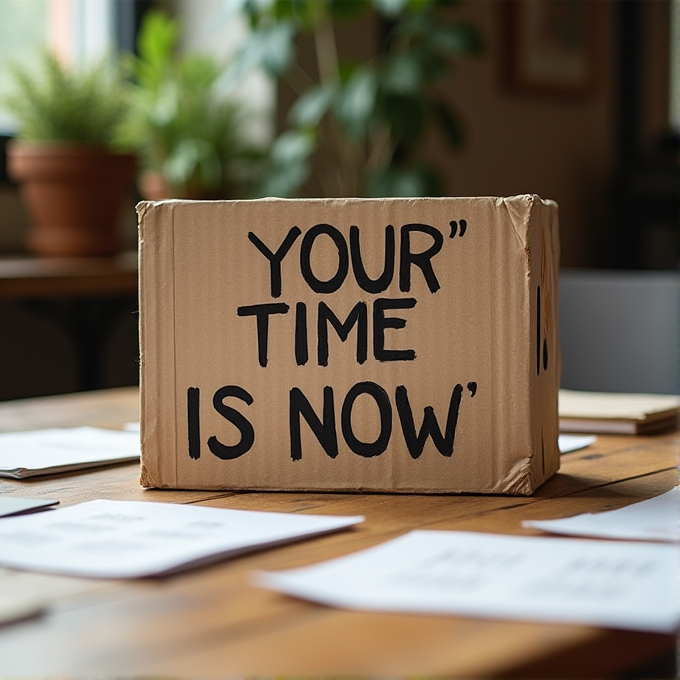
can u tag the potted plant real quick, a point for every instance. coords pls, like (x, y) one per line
(71, 173)
(356, 125)
(189, 137)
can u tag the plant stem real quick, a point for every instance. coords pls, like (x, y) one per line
(299, 80)
(330, 174)
(326, 50)
(381, 149)
(346, 161)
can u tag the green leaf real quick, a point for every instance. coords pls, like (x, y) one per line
(194, 157)
(164, 109)
(284, 183)
(406, 117)
(347, 9)
(58, 104)
(390, 8)
(415, 25)
(402, 74)
(390, 93)
(231, 9)
(457, 38)
(356, 102)
(158, 37)
(312, 106)
(292, 146)
(270, 48)
(403, 182)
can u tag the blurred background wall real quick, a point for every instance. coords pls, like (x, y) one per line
(607, 155)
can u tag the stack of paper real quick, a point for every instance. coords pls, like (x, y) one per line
(40, 452)
(600, 412)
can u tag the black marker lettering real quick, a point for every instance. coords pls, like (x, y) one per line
(193, 422)
(383, 281)
(318, 285)
(324, 431)
(358, 316)
(262, 312)
(370, 449)
(275, 258)
(421, 260)
(430, 427)
(224, 451)
(301, 346)
(381, 322)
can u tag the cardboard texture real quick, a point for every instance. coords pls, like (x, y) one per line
(396, 345)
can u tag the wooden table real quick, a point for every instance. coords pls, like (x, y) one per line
(211, 622)
(24, 278)
(82, 296)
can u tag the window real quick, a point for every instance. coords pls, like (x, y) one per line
(76, 29)
(79, 30)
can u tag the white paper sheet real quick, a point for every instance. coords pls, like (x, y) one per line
(121, 539)
(40, 452)
(656, 519)
(573, 442)
(15, 612)
(9, 505)
(611, 584)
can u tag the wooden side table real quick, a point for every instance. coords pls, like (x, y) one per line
(79, 295)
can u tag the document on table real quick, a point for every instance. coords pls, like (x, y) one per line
(656, 519)
(14, 612)
(128, 539)
(574, 442)
(9, 505)
(40, 452)
(603, 583)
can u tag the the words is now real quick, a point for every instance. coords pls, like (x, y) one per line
(325, 426)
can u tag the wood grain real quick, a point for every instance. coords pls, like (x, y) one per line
(213, 622)
(34, 277)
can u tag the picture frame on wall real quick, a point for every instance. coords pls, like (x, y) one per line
(551, 46)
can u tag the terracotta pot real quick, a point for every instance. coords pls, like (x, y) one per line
(73, 195)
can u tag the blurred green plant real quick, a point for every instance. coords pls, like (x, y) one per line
(365, 119)
(183, 129)
(54, 103)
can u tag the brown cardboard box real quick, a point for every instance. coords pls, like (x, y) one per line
(401, 345)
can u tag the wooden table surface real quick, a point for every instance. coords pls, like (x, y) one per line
(211, 623)
(47, 277)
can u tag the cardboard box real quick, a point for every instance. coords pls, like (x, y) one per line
(399, 345)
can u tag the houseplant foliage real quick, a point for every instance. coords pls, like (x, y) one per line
(365, 119)
(59, 104)
(72, 173)
(189, 136)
